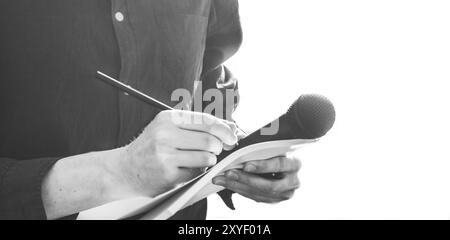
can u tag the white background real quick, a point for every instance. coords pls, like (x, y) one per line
(386, 66)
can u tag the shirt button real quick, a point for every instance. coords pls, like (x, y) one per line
(119, 16)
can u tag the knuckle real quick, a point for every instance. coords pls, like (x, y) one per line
(281, 164)
(208, 120)
(163, 115)
(242, 178)
(223, 132)
(232, 184)
(160, 155)
(274, 165)
(260, 166)
(159, 150)
(209, 127)
(160, 147)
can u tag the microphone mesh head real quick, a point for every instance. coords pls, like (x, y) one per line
(314, 113)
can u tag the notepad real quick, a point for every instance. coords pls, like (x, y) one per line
(169, 203)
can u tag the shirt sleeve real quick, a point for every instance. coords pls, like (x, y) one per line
(223, 41)
(20, 188)
(224, 36)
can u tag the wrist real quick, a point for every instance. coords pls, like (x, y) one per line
(81, 182)
(116, 180)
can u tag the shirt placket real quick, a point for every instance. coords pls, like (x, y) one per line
(126, 39)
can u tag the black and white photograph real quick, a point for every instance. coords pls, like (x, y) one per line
(224, 110)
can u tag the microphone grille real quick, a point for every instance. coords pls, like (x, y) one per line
(314, 113)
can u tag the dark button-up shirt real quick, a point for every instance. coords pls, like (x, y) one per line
(51, 105)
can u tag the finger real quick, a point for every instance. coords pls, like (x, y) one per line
(267, 187)
(205, 123)
(288, 195)
(243, 190)
(240, 133)
(196, 141)
(274, 165)
(194, 159)
(228, 147)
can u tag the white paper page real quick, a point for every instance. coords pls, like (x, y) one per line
(203, 186)
(126, 208)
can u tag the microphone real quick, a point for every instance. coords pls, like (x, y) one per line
(310, 117)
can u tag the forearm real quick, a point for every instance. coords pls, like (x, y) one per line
(78, 183)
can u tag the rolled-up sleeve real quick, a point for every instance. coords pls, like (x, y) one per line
(20, 187)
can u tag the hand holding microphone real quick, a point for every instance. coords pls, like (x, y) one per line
(310, 117)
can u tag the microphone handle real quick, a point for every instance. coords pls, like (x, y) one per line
(257, 137)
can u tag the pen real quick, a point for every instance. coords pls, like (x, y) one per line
(132, 92)
(149, 100)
